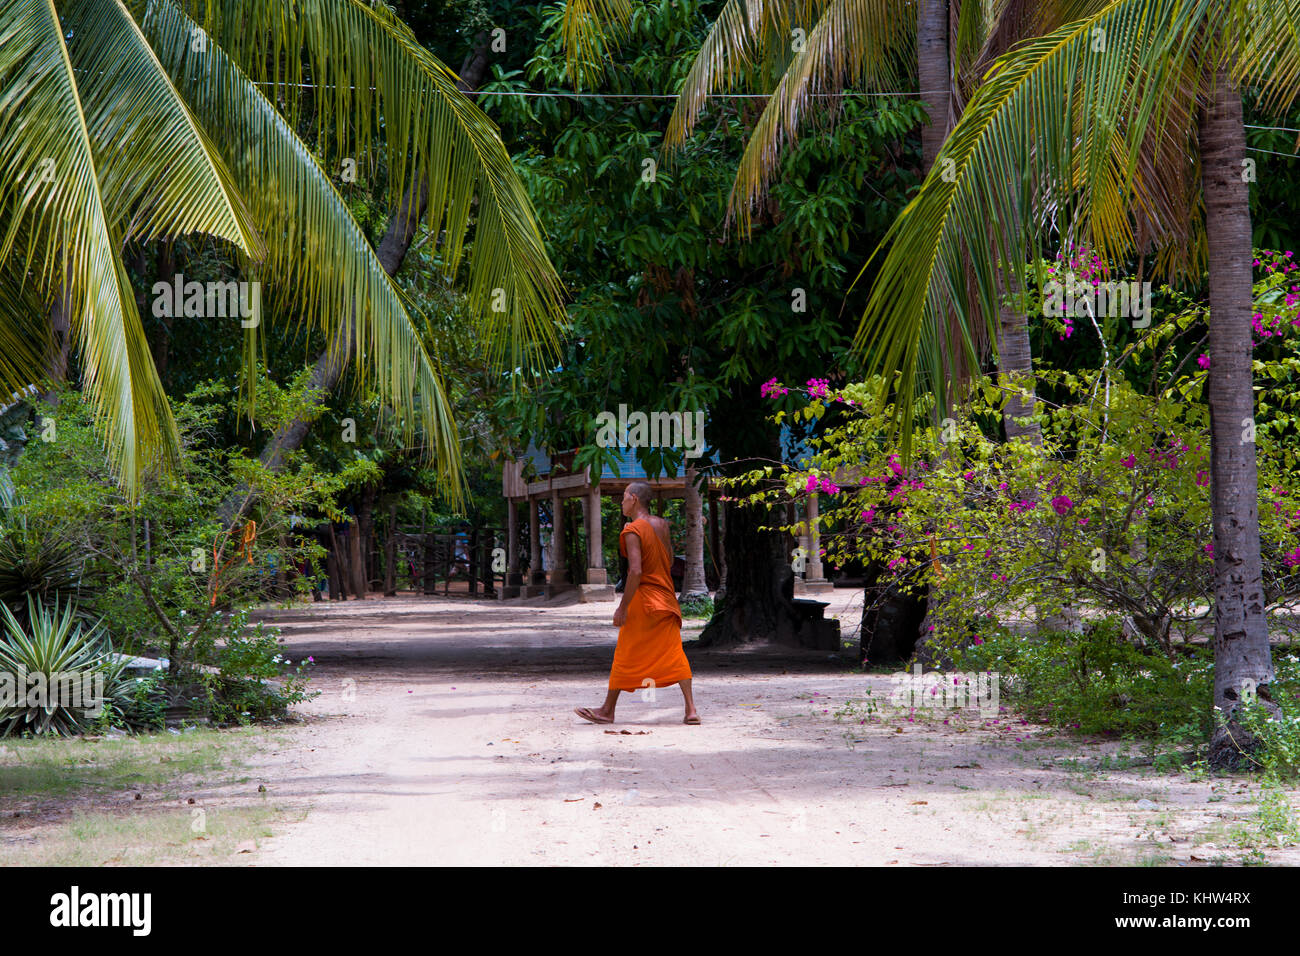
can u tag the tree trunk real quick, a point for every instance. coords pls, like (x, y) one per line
(366, 531)
(1242, 660)
(61, 336)
(757, 604)
(334, 567)
(390, 554)
(1016, 372)
(935, 75)
(358, 565)
(693, 582)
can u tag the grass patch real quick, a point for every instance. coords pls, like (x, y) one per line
(41, 769)
(72, 799)
(157, 837)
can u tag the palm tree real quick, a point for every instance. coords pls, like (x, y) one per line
(1056, 135)
(143, 120)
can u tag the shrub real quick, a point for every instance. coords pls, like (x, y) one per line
(1098, 682)
(74, 670)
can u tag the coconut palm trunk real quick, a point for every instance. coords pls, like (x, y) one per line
(935, 74)
(1242, 661)
(693, 581)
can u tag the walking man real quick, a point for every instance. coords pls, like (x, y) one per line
(649, 651)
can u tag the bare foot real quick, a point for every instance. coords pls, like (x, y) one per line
(596, 715)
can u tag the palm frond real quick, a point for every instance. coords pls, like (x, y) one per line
(590, 28)
(58, 224)
(869, 43)
(159, 173)
(749, 42)
(369, 77)
(1040, 133)
(314, 246)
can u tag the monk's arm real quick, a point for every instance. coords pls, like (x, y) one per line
(633, 571)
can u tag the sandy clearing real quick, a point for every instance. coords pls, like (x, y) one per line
(445, 735)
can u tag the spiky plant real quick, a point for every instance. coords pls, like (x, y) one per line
(37, 567)
(55, 674)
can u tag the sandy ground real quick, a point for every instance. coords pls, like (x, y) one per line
(445, 735)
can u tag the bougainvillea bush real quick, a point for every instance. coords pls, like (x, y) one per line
(1108, 517)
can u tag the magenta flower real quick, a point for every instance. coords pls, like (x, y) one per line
(1204, 361)
(1202, 478)
(1130, 462)
(1062, 504)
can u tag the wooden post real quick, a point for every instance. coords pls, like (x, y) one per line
(536, 578)
(471, 554)
(510, 589)
(559, 576)
(595, 540)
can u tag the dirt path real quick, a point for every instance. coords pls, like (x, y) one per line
(445, 735)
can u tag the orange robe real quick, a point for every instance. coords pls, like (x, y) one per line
(650, 642)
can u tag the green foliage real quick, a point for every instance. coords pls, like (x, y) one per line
(54, 674)
(1097, 682)
(171, 579)
(40, 567)
(253, 681)
(1109, 517)
(140, 706)
(698, 607)
(670, 308)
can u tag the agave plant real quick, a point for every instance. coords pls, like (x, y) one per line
(37, 567)
(145, 120)
(55, 675)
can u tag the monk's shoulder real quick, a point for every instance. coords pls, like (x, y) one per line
(658, 523)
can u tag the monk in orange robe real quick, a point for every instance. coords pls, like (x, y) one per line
(649, 651)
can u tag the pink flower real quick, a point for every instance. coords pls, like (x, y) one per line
(1204, 361)
(1202, 478)
(1130, 462)
(869, 515)
(1062, 504)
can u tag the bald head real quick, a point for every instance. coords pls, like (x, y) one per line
(642, 492)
